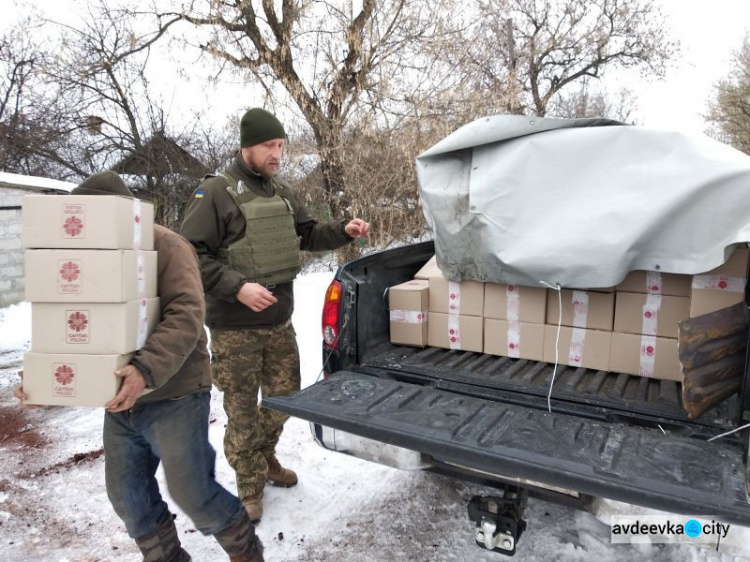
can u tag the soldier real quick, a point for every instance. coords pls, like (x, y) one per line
(248, 228)
(170, 423)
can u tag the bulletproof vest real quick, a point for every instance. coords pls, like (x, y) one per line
(269, 252)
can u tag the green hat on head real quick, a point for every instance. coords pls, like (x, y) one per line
(103, 183)
(259, 125)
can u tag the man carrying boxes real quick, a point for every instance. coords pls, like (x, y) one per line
(160, 413)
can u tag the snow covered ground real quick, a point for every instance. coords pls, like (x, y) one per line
(53, 506)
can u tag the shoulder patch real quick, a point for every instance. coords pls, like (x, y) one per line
(199, 194)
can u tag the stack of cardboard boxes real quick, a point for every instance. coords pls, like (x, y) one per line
(90, 275)
(631, 328)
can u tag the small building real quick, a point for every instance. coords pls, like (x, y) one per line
(12, 189)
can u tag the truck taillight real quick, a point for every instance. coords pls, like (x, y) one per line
(331, 314)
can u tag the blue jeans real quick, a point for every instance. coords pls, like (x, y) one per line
(175, 433)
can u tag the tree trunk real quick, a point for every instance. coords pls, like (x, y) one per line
(334, 184)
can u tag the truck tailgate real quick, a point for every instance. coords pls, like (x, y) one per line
(632, 464)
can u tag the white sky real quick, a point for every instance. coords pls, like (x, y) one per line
(709, 32)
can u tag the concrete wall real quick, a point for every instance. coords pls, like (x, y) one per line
(11, 252)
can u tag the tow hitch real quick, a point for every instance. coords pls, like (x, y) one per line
(499, 519)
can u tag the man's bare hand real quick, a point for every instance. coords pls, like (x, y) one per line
(256, 297)
(22, 396)
(131, 390)
(357, 228)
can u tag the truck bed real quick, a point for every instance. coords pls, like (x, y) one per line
(600, 394)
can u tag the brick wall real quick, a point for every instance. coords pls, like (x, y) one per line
(11, 252)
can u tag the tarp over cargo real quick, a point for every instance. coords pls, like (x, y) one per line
(580, 203)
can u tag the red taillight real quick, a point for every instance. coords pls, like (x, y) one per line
(331, 314)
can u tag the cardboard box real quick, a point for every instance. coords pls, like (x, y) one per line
(452, 331)
(705, 301)
(105, 222)
(655, 315)
(578, 347)
(520, 340)
(647, 356)
(720, 287)
(430, 269)
(655, 283)
(515, 302)
(582, 309)
(408, 311)
(71, 380)
(456, 297)
(95, 328)
(89, 275)
(735, 266)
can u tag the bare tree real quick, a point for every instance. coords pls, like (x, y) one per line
(594, 102)
(729, 111)
(28, 117)
(528, 51)
(112, 117)
(332, 59)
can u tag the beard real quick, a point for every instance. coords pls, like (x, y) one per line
(269, 170)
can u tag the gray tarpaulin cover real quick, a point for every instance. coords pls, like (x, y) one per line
(580, 203)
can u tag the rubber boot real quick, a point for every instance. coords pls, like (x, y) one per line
(163, 545)
(239, 540)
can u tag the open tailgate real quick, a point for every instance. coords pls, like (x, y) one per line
(631, 464)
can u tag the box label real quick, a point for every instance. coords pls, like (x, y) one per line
(651, 314)
(73, 221)
(454, 334)
(580, 309)
(69, 277)
(647, 356)
(454, 297)
(653, 283)
(719, 283)
(77, 326)
(137, 223)
(64, 379)
(575, 353)
(408, 316)
(514, 339)
(513, 303)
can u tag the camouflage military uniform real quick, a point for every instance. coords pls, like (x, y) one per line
(250, 350)
(245, 361)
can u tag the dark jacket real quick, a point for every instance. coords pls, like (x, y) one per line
(174, 360)
(214, 221)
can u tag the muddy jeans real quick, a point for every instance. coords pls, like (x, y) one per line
(175, 433)
(245, 362)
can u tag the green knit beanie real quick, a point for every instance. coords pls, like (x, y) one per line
(103, 183)
(259, 125)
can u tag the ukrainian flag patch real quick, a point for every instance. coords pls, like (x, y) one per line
(199, 194)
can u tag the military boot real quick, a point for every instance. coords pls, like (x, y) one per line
(240, 542)
(163, 545)
(254, 506)
(278, 475)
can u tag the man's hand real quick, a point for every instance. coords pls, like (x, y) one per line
(22, 396)
(131, 390)
(357, 228)
(256, 297)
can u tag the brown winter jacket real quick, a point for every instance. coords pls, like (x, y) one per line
(174, 360)
(214, 221)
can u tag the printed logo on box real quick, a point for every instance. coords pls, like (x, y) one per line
(64, 379)
(69, 275)
(77, 326)
(73, 221)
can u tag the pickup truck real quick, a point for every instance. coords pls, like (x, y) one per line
(610, 437)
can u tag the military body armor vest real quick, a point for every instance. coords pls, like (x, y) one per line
(269, 252)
